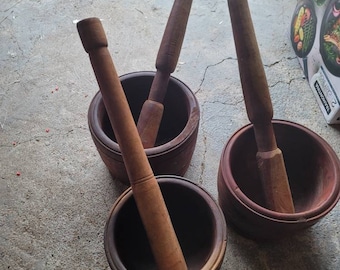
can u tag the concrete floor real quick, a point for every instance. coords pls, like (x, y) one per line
(53, 213)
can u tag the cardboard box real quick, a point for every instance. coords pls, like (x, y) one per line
(315, 37)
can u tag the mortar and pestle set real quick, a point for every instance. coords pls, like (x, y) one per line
(169, 222)
(145, 124)
(275, 177)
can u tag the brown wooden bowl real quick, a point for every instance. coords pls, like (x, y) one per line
(197, 219)
(313, 170)
(177, 135)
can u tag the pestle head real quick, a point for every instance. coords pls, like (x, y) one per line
(92, 34)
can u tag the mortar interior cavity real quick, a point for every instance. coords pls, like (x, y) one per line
(309, 167)
(192, 219)
(176, 108)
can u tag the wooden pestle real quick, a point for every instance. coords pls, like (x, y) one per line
(259, 109)
(146, 191)
(167, 57)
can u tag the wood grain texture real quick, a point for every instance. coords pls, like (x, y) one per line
(259, 109)
(167, 58)
(146, 191)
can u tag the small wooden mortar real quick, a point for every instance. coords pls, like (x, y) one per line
(197, 219)
(177, 134)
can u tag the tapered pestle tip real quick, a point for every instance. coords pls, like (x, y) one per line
(92, 34)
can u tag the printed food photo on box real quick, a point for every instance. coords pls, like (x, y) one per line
(330, 38)
(315, 38)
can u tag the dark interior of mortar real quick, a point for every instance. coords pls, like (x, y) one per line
(175, 115)
(192, 219)
(306, 164)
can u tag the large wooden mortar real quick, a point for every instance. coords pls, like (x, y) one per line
(313, 170)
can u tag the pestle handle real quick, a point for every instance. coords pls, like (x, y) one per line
(253, 78)
(146, 191)
(173, 36)
(259, 109)
(167, 58)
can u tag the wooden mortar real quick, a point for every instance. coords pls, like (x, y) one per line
(314, 171)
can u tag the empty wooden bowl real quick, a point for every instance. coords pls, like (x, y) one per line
(177, 135)
(313, 170)
(197, 219)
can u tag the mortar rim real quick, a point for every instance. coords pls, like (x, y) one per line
(187, 131)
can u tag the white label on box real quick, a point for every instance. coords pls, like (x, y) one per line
(326, 97)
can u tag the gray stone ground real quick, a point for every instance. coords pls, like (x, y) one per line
(53, 214)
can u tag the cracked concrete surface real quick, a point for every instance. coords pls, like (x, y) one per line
(53, 212)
